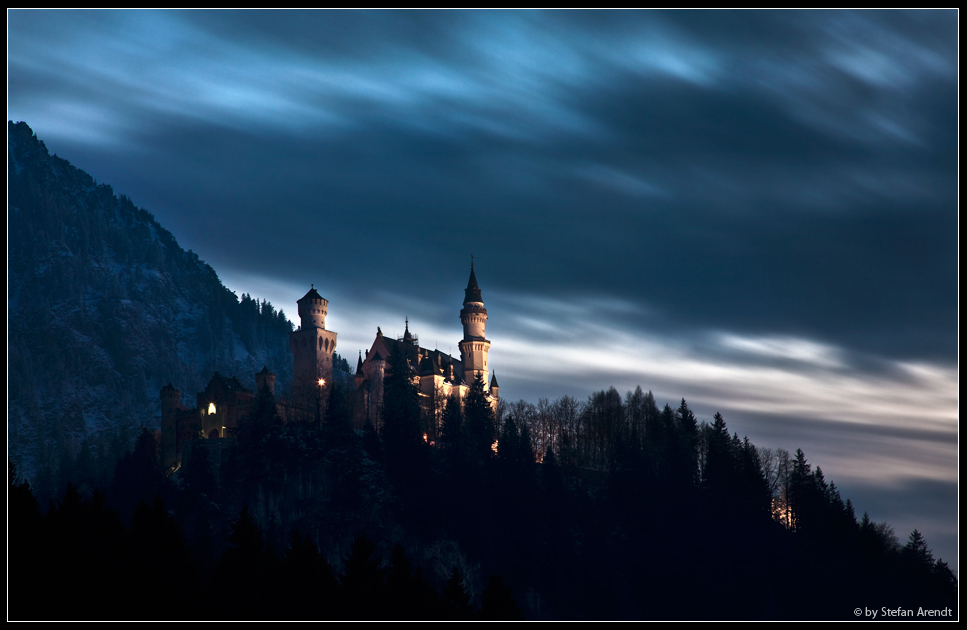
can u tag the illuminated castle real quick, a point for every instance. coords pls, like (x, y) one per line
(224, 402)
(437, 375)
(216, 414)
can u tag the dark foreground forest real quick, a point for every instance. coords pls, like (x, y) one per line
(606, 509)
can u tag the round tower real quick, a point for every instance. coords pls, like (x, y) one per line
(265, 380)
(170, 399)
(312, 309)
(312, 346)
(474, 347)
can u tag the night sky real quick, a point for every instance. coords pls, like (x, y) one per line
(756, 211)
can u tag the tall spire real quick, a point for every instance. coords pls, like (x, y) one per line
(407, 336)
(472, 293)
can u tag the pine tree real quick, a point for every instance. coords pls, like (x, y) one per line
(917, 550)
(718, 472)
(526, 448)
(802, 493)
(308, 581)
(362, 583)
(686, 442)
(452, 436)
(245, 573)
(401, 412)
(456, 600)
(508, 444)
(479, 420)
(499, 603)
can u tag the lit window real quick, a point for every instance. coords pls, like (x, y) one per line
(211, 408)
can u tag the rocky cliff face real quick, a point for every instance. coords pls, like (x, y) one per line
(104, 308)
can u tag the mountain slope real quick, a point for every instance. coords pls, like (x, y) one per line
(104, 308)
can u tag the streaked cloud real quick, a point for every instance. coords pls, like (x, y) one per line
(754, 210)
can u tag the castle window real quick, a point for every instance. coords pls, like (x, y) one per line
(211, 408)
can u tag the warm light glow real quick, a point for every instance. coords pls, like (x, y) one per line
(494, 446)
(780, 511)
(211, 408)
(425, 438)
(322, 382)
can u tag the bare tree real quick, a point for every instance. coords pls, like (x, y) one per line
(777, 467)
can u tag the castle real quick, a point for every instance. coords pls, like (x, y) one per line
(437, 375)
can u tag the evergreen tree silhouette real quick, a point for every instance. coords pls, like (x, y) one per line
(307, 580)
(508, 444)
(526, 449)
(499, 603)
(339, 416)
(408, 595)
(138, 475)
(401, 416)
(718, 474)
(917, 557)
(198, 476)
(452, 434)
(362, 582)
(400, 591)
(456, 600)
(479, 417)
(28, 557)
(804, 494)
(158, 555)
(245, 574)
(686, 446)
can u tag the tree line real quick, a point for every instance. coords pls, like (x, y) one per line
(606, 509)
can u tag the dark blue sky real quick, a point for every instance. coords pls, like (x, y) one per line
(754, 210)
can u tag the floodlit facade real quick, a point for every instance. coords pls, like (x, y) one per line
(436, 374)
(224, 402)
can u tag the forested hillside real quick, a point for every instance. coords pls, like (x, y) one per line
(613, 507)
(312, 520)
(103, 309)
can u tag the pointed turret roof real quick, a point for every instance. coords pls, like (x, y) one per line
(407, 337)
(312, 294)
(493, 381)
(472, 293)
(359, 363)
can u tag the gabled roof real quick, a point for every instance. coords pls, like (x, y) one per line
(225, 383)
(424, 361)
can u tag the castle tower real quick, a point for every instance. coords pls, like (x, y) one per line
(265, 380)
(312, 345)
(474, 347)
